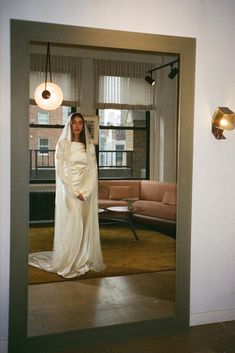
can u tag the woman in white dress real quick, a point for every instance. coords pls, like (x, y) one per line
(77, 247)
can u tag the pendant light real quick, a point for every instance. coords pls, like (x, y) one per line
(48, 95)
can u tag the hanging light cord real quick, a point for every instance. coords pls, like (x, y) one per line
(46, 94)
(48, 64)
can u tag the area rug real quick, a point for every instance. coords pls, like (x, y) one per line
(123, 255)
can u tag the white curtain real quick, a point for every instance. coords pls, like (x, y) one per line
(121, 85)
(66, 73)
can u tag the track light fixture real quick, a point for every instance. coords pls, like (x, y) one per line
(150, 80)
(174, 71)
(48, 95)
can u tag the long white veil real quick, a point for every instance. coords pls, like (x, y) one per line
(67, 229)
(63, 149)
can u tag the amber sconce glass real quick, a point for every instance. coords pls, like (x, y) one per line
(223, 119)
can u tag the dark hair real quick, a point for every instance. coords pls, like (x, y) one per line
(82, 135)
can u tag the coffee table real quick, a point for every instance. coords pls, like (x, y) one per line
(127, 217)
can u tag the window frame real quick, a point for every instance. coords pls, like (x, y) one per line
(44, 126)
(41, 149)
(46, 113)
(132, 128)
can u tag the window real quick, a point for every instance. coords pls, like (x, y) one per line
(43, 144)
(120, 158)
(43, 137)
(124, 101)
(123, 144)
(43, 118)
(66, 111)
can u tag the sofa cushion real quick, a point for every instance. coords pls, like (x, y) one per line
(109, 203)
(155, 209)
(103, 191)
(169, 198)
(155, 190)
(134, 184)
(119, 192)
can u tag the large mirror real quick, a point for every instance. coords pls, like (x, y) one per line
(135, 130)
(36, 319)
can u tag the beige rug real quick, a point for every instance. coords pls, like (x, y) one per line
(123, 255)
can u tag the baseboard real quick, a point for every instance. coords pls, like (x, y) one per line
(212, 316)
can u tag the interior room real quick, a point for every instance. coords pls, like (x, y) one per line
(148, 152)
(202, 160)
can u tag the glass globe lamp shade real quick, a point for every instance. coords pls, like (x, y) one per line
(49, 98)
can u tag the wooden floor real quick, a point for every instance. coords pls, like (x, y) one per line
(71, 305)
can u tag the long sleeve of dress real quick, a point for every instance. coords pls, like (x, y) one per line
(91, 183)
(60, 170)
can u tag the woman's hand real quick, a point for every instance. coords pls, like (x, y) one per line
(80, 197)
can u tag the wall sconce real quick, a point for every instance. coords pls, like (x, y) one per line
(223, 119)
(48, 95)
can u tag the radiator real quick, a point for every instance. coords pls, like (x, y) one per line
(41, 206)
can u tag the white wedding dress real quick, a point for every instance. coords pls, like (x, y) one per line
(77, 247)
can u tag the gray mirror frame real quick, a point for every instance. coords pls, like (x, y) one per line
(22, 33)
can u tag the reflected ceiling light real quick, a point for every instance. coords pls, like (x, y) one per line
(223, 119)
(150, 80)
(48, 95)
(174, 71)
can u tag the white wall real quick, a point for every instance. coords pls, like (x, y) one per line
(213, 212)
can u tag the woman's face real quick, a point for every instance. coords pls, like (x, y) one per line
(76, 126)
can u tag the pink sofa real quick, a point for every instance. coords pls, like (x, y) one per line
(156, 204)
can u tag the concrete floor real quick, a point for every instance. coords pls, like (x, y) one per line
(212, 338)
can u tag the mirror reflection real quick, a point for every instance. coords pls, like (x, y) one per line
(133, 127)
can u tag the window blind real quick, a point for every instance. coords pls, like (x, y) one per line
(66, 73)
(121, 85)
